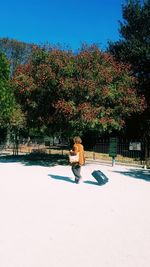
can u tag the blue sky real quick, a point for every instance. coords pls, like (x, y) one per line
(67, 22)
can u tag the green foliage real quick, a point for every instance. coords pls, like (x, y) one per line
(4, 68)
(6, 99)
(6, 102)
(134, 48)
(17, 118)
(8, 106)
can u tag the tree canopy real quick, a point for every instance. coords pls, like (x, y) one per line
(60, 91)
(8, 106)
(134, 48)
(6, 96)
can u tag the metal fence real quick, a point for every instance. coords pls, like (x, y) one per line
(125, 151)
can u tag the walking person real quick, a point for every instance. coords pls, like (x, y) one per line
(77, 149)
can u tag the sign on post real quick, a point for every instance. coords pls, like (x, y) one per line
(135, 146)
(113, 148)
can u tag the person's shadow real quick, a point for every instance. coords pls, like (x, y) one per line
(61, 178)
(99, 176)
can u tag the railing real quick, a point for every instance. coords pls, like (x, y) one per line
(124, 153)
(99, 152)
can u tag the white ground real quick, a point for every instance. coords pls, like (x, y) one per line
(48, 221)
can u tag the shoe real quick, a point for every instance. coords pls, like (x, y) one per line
(76, 180)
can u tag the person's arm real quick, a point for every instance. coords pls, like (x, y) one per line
(74, 151)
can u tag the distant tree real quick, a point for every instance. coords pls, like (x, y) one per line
(16, 51)
(134, 48)
(60, 91)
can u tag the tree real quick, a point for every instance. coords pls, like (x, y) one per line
(7, 101)
(11, 116)
(17, 52)
(36, 88)
(134, 48)
(60, 91)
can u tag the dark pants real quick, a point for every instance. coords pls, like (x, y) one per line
(76, 169)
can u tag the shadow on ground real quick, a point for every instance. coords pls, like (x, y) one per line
(99, 176)
(137, 174)
(37, 160)
(92, 183)
(61, 178)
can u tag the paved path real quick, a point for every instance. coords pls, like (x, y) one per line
(46, 220)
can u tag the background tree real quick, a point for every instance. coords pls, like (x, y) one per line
(7, 101)
(63, 92)
(134, 48)
(8, 106)
(17, 52)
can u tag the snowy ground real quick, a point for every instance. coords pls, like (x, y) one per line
(46, 220)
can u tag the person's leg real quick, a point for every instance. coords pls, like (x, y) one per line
(76, 169)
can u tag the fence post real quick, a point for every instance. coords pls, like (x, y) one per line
(113, 161)
(146, 155)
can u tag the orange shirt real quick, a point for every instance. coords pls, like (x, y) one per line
(79, 148)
